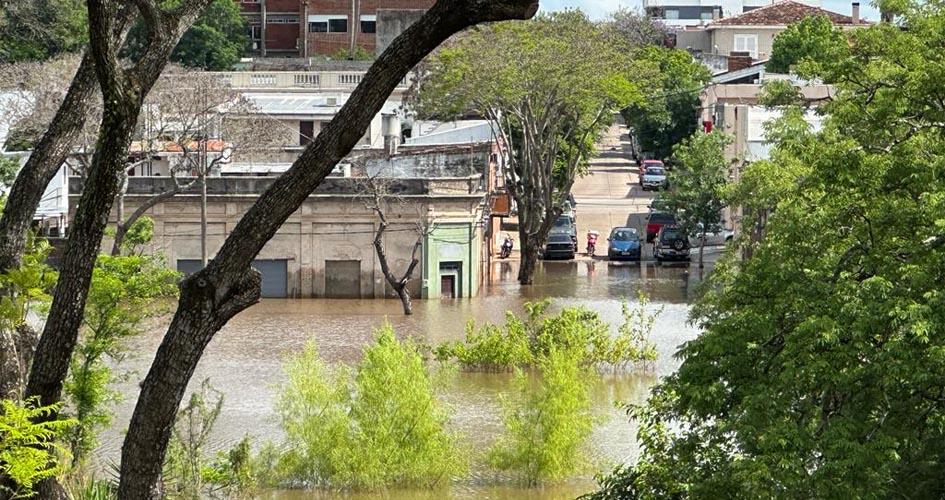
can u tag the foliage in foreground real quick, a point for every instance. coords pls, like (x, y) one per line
(821, 366)
(547, 426)
(380, 425)
(190, 471)
(522, 342)
(125, 292)
(29, 452)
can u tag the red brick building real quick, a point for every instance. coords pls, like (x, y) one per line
(303, 28)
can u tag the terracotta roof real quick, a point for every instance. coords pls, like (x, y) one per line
(783, 13)
(213, 146)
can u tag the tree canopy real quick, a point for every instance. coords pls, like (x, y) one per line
(215, 42)
(39, 29)
(668, 113)
(812, 39)
(820, 371)
(550, 86)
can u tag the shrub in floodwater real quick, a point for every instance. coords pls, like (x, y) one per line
(547, 426)
(379, 425)
(522, 341)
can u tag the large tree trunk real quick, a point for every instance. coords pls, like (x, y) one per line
(531, 253)
(228, 284)
(47, 157)
(123, 92)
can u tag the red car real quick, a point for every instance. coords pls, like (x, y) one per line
(655, 221)
(646, 164)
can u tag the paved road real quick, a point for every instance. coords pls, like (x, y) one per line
(609, 195)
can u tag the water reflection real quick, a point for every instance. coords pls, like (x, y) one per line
(244, 360)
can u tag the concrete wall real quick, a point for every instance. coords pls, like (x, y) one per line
(391, 23)
(723, 39)
(333, 225)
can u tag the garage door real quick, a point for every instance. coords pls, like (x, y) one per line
(274, 274)
(343, 279)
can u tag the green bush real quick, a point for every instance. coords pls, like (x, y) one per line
(520, 343)
(547, 427)
(379, 425)
(29, 449)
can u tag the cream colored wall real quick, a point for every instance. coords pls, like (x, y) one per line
(324, 228)
(723, 39)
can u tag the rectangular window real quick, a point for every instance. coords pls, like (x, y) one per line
(705, 16)
(368, 24)
(672, 14)
(338, 25)
(747, 43)
(328, 24)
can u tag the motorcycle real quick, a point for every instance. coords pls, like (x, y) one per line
(592, 242)
(507, 247)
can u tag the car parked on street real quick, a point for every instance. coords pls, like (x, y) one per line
(671, 244)
(655, 179)
(624, 244)
(714, 237)
(645, 164)
(565, 224)
(559, 246)
(655, 221)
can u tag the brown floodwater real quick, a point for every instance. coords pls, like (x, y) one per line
(244, 362)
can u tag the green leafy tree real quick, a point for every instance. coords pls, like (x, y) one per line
(809, 40)
(380, 425)
(125, 292)
(819, 369)
(29, 451)
(698, 184)
(550, 86)
(547, 428)
(668, 113)
(8, 169)
(523, 341)
(40, 29)
(216, 41)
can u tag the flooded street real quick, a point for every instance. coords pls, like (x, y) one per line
(244, 361)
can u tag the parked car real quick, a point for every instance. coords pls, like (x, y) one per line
(647, 164)
(655, 221)
(559, 246)
(624, 244)
(714, 237)
(671, 244)
(565, 224)
(655, 179)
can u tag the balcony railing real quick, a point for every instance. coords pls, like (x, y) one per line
(288, 80)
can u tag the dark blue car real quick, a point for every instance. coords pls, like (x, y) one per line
(624, 244)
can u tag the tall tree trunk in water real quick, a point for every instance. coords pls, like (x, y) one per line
(203, 219)
(123, 92)
(701, 248)
(530, 251)
(228, 285)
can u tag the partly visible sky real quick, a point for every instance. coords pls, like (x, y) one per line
(598, 9)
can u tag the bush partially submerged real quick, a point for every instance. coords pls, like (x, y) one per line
(379, 425)
(547, 426)
(520, 343)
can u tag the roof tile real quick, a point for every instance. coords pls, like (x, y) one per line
(783, 13)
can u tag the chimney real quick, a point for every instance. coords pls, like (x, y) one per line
(738, 60)
(856, 13)
(716, 13)
(390, 128)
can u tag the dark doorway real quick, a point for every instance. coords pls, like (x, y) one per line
(306, 132)
(448, 287)
(343, 279)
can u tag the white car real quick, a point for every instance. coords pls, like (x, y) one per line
(718, 237)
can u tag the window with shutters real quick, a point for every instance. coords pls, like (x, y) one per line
(747, 43)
